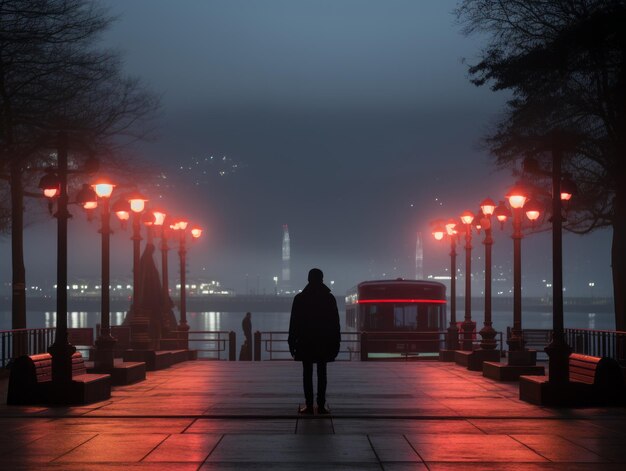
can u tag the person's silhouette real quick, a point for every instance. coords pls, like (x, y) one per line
(246, 348)
(314, 336)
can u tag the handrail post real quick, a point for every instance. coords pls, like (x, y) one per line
(257, 346)
(363, 346)
(232, 346)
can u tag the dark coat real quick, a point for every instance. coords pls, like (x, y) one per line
(314, 332)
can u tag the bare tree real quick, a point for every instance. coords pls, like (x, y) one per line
(565, 63)
(54, 78)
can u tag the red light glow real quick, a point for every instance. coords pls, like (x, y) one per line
(406, 301)
(122, 215)
(50, 192)
(566, 196)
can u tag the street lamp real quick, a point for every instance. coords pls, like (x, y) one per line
(487, 333)
(140, 324)
(468, 325)
(517, 198)
(54, 185)
(160, 221)
(439, 232)
(180, 227)
(104, 353)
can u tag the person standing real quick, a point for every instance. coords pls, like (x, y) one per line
(314, 337)
(246, 349)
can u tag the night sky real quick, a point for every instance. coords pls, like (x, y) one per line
(352, 121)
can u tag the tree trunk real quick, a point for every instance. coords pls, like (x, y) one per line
(17, 247)
(618, 258)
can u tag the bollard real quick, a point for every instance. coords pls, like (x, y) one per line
(257, 346)
(363, 346)
(232, 346)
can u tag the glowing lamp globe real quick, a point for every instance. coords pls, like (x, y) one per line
(517, 197)
(533, 211)
(532, 214)
(50, 185)
(159, 217)
(487, 206)
(181, 224)
(90, 204)
(121, 208)
(122, 215)
(137, 202)
(196, 232)
(501, 212)
(103, 187)
(450, 227)
(467, 217)
(568, 188)
(148, 219)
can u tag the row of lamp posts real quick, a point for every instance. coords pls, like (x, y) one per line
(519, 202)
(54, 187)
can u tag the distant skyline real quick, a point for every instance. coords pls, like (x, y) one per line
(351, 121)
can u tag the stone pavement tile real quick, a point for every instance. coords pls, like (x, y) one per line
(556, 448)
(314, 425)
(564, 428)
(177, 466)
(112, 447)
(494, 407)
(393, 448)
(117, 425)
(525, 466)
(47, 448)
(284, 426)
(21, 425)
(192, 447)
(16, 440)
(615, 426)
(471, 447)
(402, 426)
(611, 448)
(311, 449)
(293, 466)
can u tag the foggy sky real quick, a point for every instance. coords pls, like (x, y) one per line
(352, 121)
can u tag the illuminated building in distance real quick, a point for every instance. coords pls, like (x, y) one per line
(286, 279)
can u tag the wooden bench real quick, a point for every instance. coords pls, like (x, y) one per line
(592, 381)
(604, 374)
(537, 339)
(30, 382)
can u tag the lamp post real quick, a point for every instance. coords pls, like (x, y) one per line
(517, 198)
(558, 351)
(56, 187)
(487, 333)
(160, 220)
(180, 226)
(140, 324)
(439, 232)
(468, 325)
(104, 354)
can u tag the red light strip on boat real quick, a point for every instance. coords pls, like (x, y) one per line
(414, 301)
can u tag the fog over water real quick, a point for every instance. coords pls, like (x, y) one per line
(351, 121)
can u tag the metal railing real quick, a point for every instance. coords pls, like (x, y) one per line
(598, 343)
(213, 344)
(272, 345)
(17, 342)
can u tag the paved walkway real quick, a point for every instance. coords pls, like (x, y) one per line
(390, 416)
